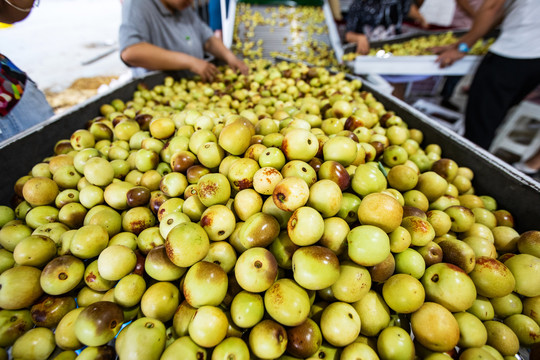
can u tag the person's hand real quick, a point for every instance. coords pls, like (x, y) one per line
(206, 70)
(238, 65)
(362, 44)
(421, 21)
(447, 55)
(416, 15)
(440, 49)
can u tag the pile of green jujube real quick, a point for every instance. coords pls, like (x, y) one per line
(423, 45)
(285, 214)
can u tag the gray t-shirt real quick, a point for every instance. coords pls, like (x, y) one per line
(150, 21)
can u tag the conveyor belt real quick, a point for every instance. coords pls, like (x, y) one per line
(304, 33)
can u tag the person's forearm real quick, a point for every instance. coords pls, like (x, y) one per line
(361, 41)
(489, 15)
(153, 57)
(17, 11)
(336, 9)
(216, 47)
(414, 12)
(351, 36)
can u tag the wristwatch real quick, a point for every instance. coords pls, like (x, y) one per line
(463, 47)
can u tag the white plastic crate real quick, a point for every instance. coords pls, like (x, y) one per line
(523, 119)
(411, 65)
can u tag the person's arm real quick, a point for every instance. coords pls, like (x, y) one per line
(361, 41)
(417, 17)
(335, 7)
(153, 57)
(14, 10)
(355, 24)
(216, 47)
(489, 15)
(465, 5)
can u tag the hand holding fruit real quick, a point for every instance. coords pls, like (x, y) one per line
(361, 40)
(206, 70)
(238, 65)
(362, 45)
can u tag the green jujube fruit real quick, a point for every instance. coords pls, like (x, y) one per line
(129, 290)
(143, 339)
(231, 348)
(49, 310)
(13, 324)
(64, 335)
(104, 352)
(502, 338)
(159, 267)
(36, 344)
(116, 261)
(66, 355)
(89, 241)
(61, 274)
(525, 328)
(99, 323)
(34, 250)
(94, 280)
(6, 260)
(472, 332)
(19, 287)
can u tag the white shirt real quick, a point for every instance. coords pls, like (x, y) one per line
(520, 30)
